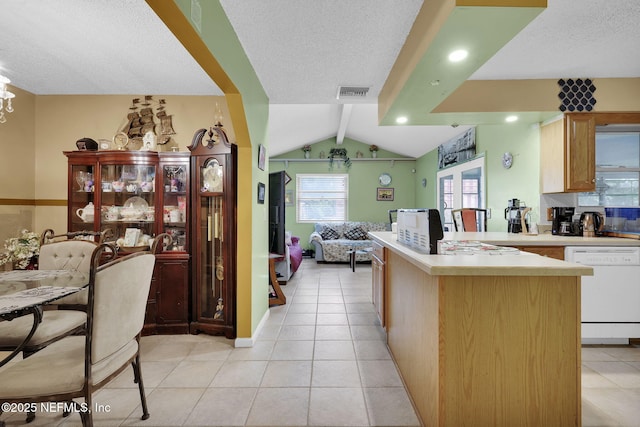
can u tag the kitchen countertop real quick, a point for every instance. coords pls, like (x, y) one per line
(482, 265)
(546, 239)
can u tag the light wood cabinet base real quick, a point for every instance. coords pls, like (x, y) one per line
(486, 350)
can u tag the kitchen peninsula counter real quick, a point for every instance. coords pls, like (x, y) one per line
(543, 239)
(485, 339)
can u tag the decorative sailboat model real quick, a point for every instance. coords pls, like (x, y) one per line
(140, 125)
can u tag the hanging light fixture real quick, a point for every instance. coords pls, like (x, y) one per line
(5, 98)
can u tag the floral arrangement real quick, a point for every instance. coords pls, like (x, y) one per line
(306, 148)
(20, 250)
(373, 148)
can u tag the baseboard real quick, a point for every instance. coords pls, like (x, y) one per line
(249, 342)
(605, 341)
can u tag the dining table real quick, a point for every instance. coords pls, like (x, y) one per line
(25, 292)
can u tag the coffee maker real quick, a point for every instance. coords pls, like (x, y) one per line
(513, 215)
(562, 221)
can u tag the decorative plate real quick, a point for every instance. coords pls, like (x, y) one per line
(384, 179)
(134, 208)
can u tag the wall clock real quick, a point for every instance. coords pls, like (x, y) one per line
(507, 160)
(384, 179)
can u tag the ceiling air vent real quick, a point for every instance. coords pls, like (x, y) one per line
(352, 92)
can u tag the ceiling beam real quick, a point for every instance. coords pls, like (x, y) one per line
(344, 121)
(422, 77)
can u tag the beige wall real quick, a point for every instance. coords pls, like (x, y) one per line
(42, 127)
(17, 169)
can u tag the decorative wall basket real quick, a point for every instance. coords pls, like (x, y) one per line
(576, 95)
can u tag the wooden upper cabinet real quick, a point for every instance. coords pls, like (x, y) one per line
(567, 154)
(580, 157)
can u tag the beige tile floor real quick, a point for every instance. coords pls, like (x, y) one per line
(320, 360)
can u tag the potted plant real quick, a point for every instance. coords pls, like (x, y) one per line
(374, 150)
(22, 251)
(339, 153)
(307, 150)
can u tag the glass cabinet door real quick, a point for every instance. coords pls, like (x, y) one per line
(212, 301)
(211, 229)
(175, 187)
(128, 203)
(82, 207)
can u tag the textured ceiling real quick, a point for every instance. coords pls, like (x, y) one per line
(301, 51)
(89, 47)
(572, 38)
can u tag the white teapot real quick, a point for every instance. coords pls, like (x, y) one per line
(86, 213)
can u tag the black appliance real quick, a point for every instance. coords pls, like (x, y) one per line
(420, 228)
(436, 232)
(562, 222)
(277, 213)
(513, 215)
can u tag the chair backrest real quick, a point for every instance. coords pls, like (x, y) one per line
(470, 219)
(66, 255)
(160, 242)
(118, 293)
(49, 236)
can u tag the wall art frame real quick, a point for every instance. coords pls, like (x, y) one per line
(289, 198)
(385, 194)
(262, 157)
(458, 149)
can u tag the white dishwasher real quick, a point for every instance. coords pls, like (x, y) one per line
(611, 297)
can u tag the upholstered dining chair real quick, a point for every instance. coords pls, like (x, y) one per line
(470, 219)
(160, 242)
(70, 251)
(76, 366)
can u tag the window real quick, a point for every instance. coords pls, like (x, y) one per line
(617, 168)
(321, 197)
(446, 200)
(460, 186)
(471, 188)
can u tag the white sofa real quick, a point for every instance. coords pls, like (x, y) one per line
(334, 240)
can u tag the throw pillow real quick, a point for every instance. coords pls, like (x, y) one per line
(355, 233)
(329, 233)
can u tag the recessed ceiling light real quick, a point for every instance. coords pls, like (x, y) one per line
(402, 120)
(511, 119)
(458, 55)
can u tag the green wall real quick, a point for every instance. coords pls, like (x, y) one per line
(521, 181)
(363, 181)
(220, 38)
(427, 167)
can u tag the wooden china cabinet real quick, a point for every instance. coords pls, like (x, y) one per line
(213, 233)
(137, 195)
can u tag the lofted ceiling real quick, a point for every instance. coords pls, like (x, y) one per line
(302, 50)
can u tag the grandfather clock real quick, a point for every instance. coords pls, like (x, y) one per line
(213, 242)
